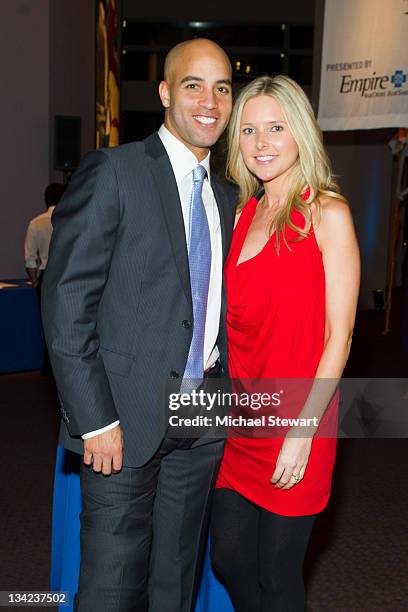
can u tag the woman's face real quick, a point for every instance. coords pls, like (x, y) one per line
(266, 142)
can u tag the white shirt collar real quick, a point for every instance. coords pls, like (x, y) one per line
(183, 161)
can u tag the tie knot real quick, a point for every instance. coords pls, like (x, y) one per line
(199, 173)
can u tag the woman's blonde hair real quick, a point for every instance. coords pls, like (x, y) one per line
(312, 169)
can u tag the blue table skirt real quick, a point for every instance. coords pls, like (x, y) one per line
(21, 335)
(65, 561)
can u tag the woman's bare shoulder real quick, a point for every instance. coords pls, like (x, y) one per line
(334, 220)
(334, 208)
(332, 211)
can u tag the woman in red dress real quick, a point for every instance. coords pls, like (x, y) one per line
(292, 279)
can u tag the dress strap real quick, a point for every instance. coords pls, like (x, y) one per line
(260, 194)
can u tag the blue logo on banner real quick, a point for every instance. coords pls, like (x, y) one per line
(398, 78)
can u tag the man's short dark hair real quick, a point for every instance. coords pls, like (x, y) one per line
(53, 194)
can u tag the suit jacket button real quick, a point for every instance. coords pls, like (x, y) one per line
(174, 374)
(186, 324)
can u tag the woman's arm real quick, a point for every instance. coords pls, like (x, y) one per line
(337, 241)
(341, 260)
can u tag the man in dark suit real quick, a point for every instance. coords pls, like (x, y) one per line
(133, 298)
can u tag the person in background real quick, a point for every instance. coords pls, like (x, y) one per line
(292, 282)
(36, 246)
(38, 236)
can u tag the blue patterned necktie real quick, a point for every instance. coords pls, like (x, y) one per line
(199, 259)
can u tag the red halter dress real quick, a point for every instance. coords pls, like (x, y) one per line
(275, 325)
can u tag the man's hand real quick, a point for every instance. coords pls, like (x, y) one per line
(33, 276)
(105, 451)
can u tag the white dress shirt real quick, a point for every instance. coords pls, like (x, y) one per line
(37, 240)
(183, 161)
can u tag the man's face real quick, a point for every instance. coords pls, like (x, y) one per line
(197, 97)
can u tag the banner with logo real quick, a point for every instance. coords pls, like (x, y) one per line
(364, 73)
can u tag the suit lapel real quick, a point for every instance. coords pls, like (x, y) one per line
(163, 175)
(220, 198)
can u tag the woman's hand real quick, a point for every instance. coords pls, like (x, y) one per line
(292, 462)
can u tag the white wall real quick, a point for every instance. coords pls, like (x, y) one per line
(72, 67)
(24, 109)
(47, 59)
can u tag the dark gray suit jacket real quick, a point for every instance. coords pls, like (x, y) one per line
(117, 306)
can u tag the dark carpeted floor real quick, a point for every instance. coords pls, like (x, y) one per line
(29, 425)
(358, 557)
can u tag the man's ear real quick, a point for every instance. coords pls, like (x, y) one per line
(164, 93)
